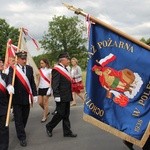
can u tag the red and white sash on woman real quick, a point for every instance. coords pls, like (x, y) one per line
(63, 72)
(2, 85)
(24, 80)
(44, 77)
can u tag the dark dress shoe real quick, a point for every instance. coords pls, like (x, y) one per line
(55, 112)
(49, 133)
(128, 144)
(70, 135)
(23, 143)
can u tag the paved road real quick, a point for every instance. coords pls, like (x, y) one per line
(89, 136)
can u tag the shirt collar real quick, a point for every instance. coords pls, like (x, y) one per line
(61, 65)
(21, 66)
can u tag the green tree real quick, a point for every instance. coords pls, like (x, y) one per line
(145, 41)
(7, 32)
(148, 41)
(39, 57)
(65, 34)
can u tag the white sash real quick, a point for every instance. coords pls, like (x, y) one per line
(64, 72)
(2, 82)
(2, 85)
(28, 88)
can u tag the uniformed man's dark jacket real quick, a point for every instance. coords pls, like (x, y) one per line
(21, 96)
(4, 97)
(61, 86)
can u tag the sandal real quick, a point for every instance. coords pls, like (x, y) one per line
(43, 120)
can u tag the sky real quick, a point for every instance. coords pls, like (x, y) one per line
(129, 16)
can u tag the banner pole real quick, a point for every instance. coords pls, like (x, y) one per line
(6, 56)
(13, 81)
(79, 11)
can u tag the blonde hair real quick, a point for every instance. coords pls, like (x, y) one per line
(75, 59)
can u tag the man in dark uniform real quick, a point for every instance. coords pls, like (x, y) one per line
(61, 85)
(4, 131)
(25, 92)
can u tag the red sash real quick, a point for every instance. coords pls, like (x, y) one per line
(24, 80)
(45, 78)
(2, 85)
(63, 72)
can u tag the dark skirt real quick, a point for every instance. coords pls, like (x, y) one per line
(43, 91)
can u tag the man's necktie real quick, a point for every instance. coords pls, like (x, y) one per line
(66, 68)
(23, 69)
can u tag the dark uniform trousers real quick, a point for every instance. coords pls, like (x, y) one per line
(4, 132)
(145, 147)
(20, 100)
(21, 114)
(147, 144)
(63, 112)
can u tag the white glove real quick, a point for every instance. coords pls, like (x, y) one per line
(57, 99)
(10, 89)
(35, 99)
(48, 91)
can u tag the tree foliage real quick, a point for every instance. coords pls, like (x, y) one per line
(65, 34)
(145, 41)
(7, 32)
(38, 58)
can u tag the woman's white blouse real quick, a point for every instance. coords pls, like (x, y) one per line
(47, 73)
(76, 73)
